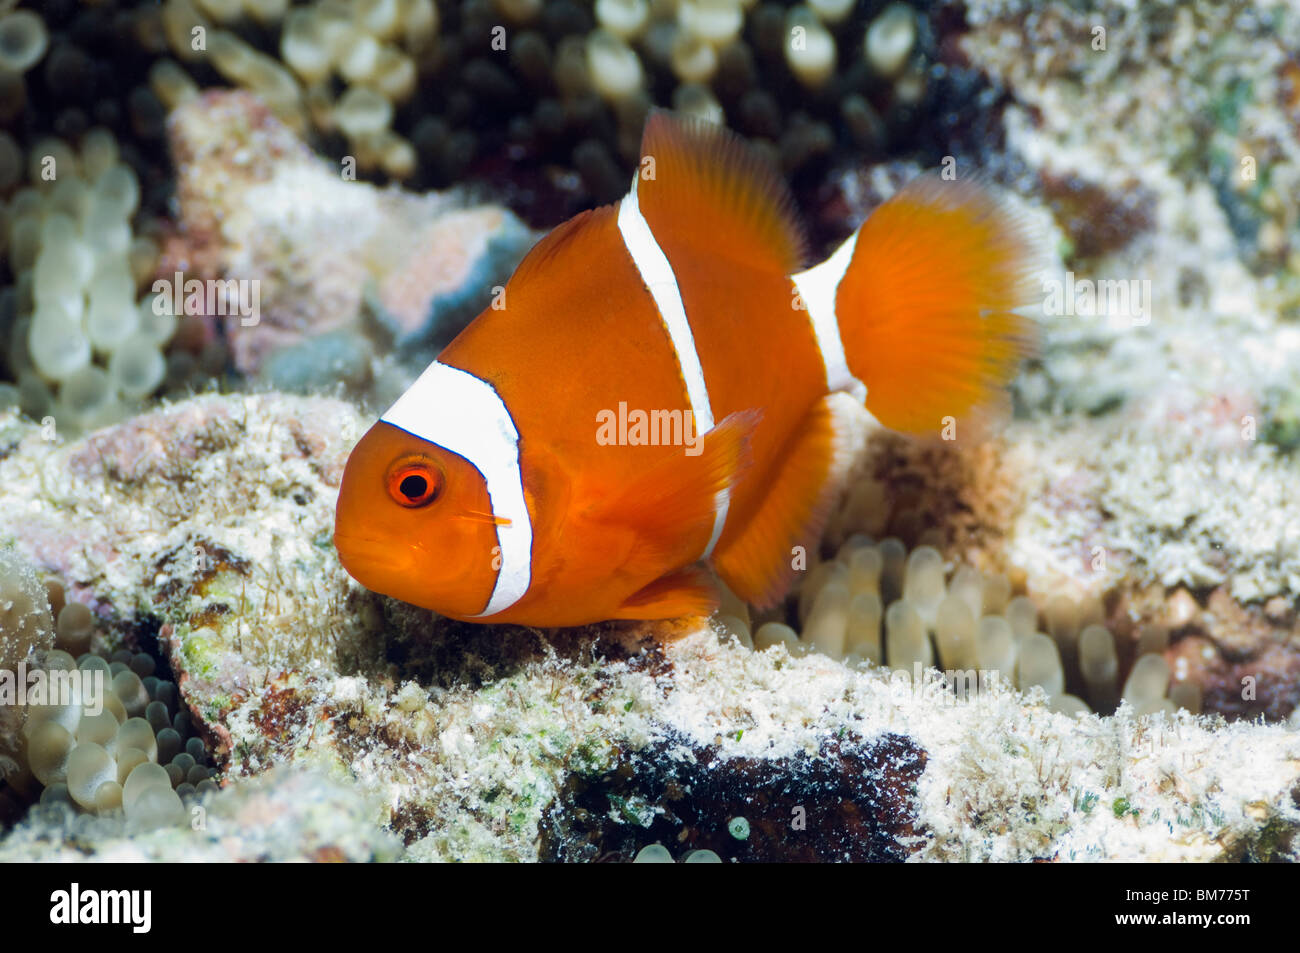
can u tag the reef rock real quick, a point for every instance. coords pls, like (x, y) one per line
(289, 815)
(206, 526)
(327, 253)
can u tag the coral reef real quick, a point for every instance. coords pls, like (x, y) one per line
(92, 73)
(391, 277)
(851, 797)
(880, 604)
(23, 40)
(543, 100)
(1154, 429)
(26, 626)
(384, 272)
(26, 633)
(369, 48)
(83, 346)
(160, 541)
(116, 744)
(81, 728)
(288, 815)
(477, 742)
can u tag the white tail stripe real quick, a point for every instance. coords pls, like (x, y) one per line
(817, 287)
(658, 276)
(464, 414)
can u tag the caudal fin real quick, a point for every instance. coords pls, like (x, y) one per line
(925, 306)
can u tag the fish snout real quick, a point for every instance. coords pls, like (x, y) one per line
(363, 555)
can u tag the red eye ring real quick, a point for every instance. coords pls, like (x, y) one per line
(414, 483)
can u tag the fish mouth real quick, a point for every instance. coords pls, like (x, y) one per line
(368, 553)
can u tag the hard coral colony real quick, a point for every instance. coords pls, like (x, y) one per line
(765, 482)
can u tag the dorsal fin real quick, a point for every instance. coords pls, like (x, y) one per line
(700, 186)
(553, 242)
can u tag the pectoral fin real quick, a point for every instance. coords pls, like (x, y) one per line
(671, 508)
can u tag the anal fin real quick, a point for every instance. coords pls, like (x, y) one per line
(713, 195)
(758, 564)
(684, 592)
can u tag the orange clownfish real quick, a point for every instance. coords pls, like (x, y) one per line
(650, 393)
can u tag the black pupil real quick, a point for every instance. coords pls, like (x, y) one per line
(414, 486)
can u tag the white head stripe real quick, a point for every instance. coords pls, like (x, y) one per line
(657, 274)
(817, 287)
(464, 414)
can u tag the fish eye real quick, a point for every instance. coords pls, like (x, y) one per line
(414, 483)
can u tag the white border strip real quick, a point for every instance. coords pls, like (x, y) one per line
(657, 274)
(464, 414)
(817, 287)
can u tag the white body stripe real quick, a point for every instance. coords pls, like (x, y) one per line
(464, 414)
(817, 287)
(657, 274)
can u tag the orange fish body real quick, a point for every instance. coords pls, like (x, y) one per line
(650, 394)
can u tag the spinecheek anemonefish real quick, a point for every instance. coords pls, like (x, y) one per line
(487, 493)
